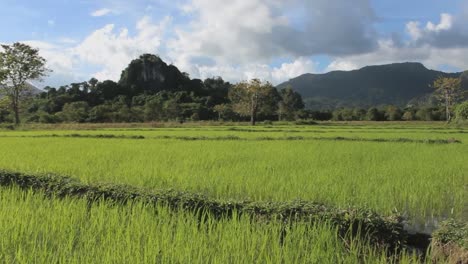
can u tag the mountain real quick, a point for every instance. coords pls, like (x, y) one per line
(149, 73)
(30, 91)
(397, 84)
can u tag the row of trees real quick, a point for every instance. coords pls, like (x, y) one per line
(150, 90)
(390, 113)
(163, 93)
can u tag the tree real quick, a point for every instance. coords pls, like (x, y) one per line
(373, 114)
(425, 114)
(19, 63)
(75, 112)
(393, 113)
(224, 111)
(93, 82)
(408, 116)
(250, 98)
(290, 103)
(461, 112)
(449, 91)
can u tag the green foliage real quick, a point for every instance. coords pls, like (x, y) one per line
(380, 230)
(461, 112)
(253, 98)
(19, 63)
(70, 230)
(373, 114)
(393, 113)
(453, 231)
(290, 103)
(265, 161)
(408, 116)
(75, 112)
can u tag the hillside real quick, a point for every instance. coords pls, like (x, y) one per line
(31, 90)
(396, 84)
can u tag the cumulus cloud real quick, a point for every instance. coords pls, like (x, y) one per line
(266, 72)
(240, 31)
(240, 38)
(450, 32)
(341, 65)
(113, 49)
(59, 61)
(293, 69)
(435, 44)
(390, 52)
(101, 12)
(106, 50)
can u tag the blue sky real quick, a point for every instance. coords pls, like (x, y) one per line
(238, 39)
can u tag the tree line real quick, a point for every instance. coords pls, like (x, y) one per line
(150, 90)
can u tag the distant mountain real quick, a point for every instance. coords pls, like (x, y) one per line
(397, 84)
(31, 91)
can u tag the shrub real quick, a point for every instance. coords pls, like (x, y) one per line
(461, 112)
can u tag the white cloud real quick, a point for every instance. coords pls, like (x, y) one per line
(446, 22)
(242, 31)
(65, 40)
(265, 72)
(341, 65)
(239, 39)
(413, 30)
(107, 49)
(435, 45)
(51, 22)
(450, 32)
(101, 12)
(113, 49)
(59, 60)
(390, 52)
(293, 69)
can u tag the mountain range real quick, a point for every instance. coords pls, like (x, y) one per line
(400, 84)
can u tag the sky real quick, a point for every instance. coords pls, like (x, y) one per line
(273, 40)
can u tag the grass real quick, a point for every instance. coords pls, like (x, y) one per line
(413, 178)
(35, 229)
(370, 167)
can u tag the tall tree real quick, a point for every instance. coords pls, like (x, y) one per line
(19, 63)
(290, 103)
(449, 91)
(249, 98)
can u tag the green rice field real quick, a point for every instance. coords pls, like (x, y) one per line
(419, 171)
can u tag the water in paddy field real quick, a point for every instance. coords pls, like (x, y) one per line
(426, 226)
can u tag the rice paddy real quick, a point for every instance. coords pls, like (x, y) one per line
(417, 171)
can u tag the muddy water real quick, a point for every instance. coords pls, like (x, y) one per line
(426, 226)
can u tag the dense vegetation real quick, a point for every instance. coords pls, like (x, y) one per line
(150, 90)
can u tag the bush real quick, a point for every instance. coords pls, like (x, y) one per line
(305, 122)
(461, 112)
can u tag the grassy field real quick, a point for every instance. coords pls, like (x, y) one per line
(417, 170)
(415, 178)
